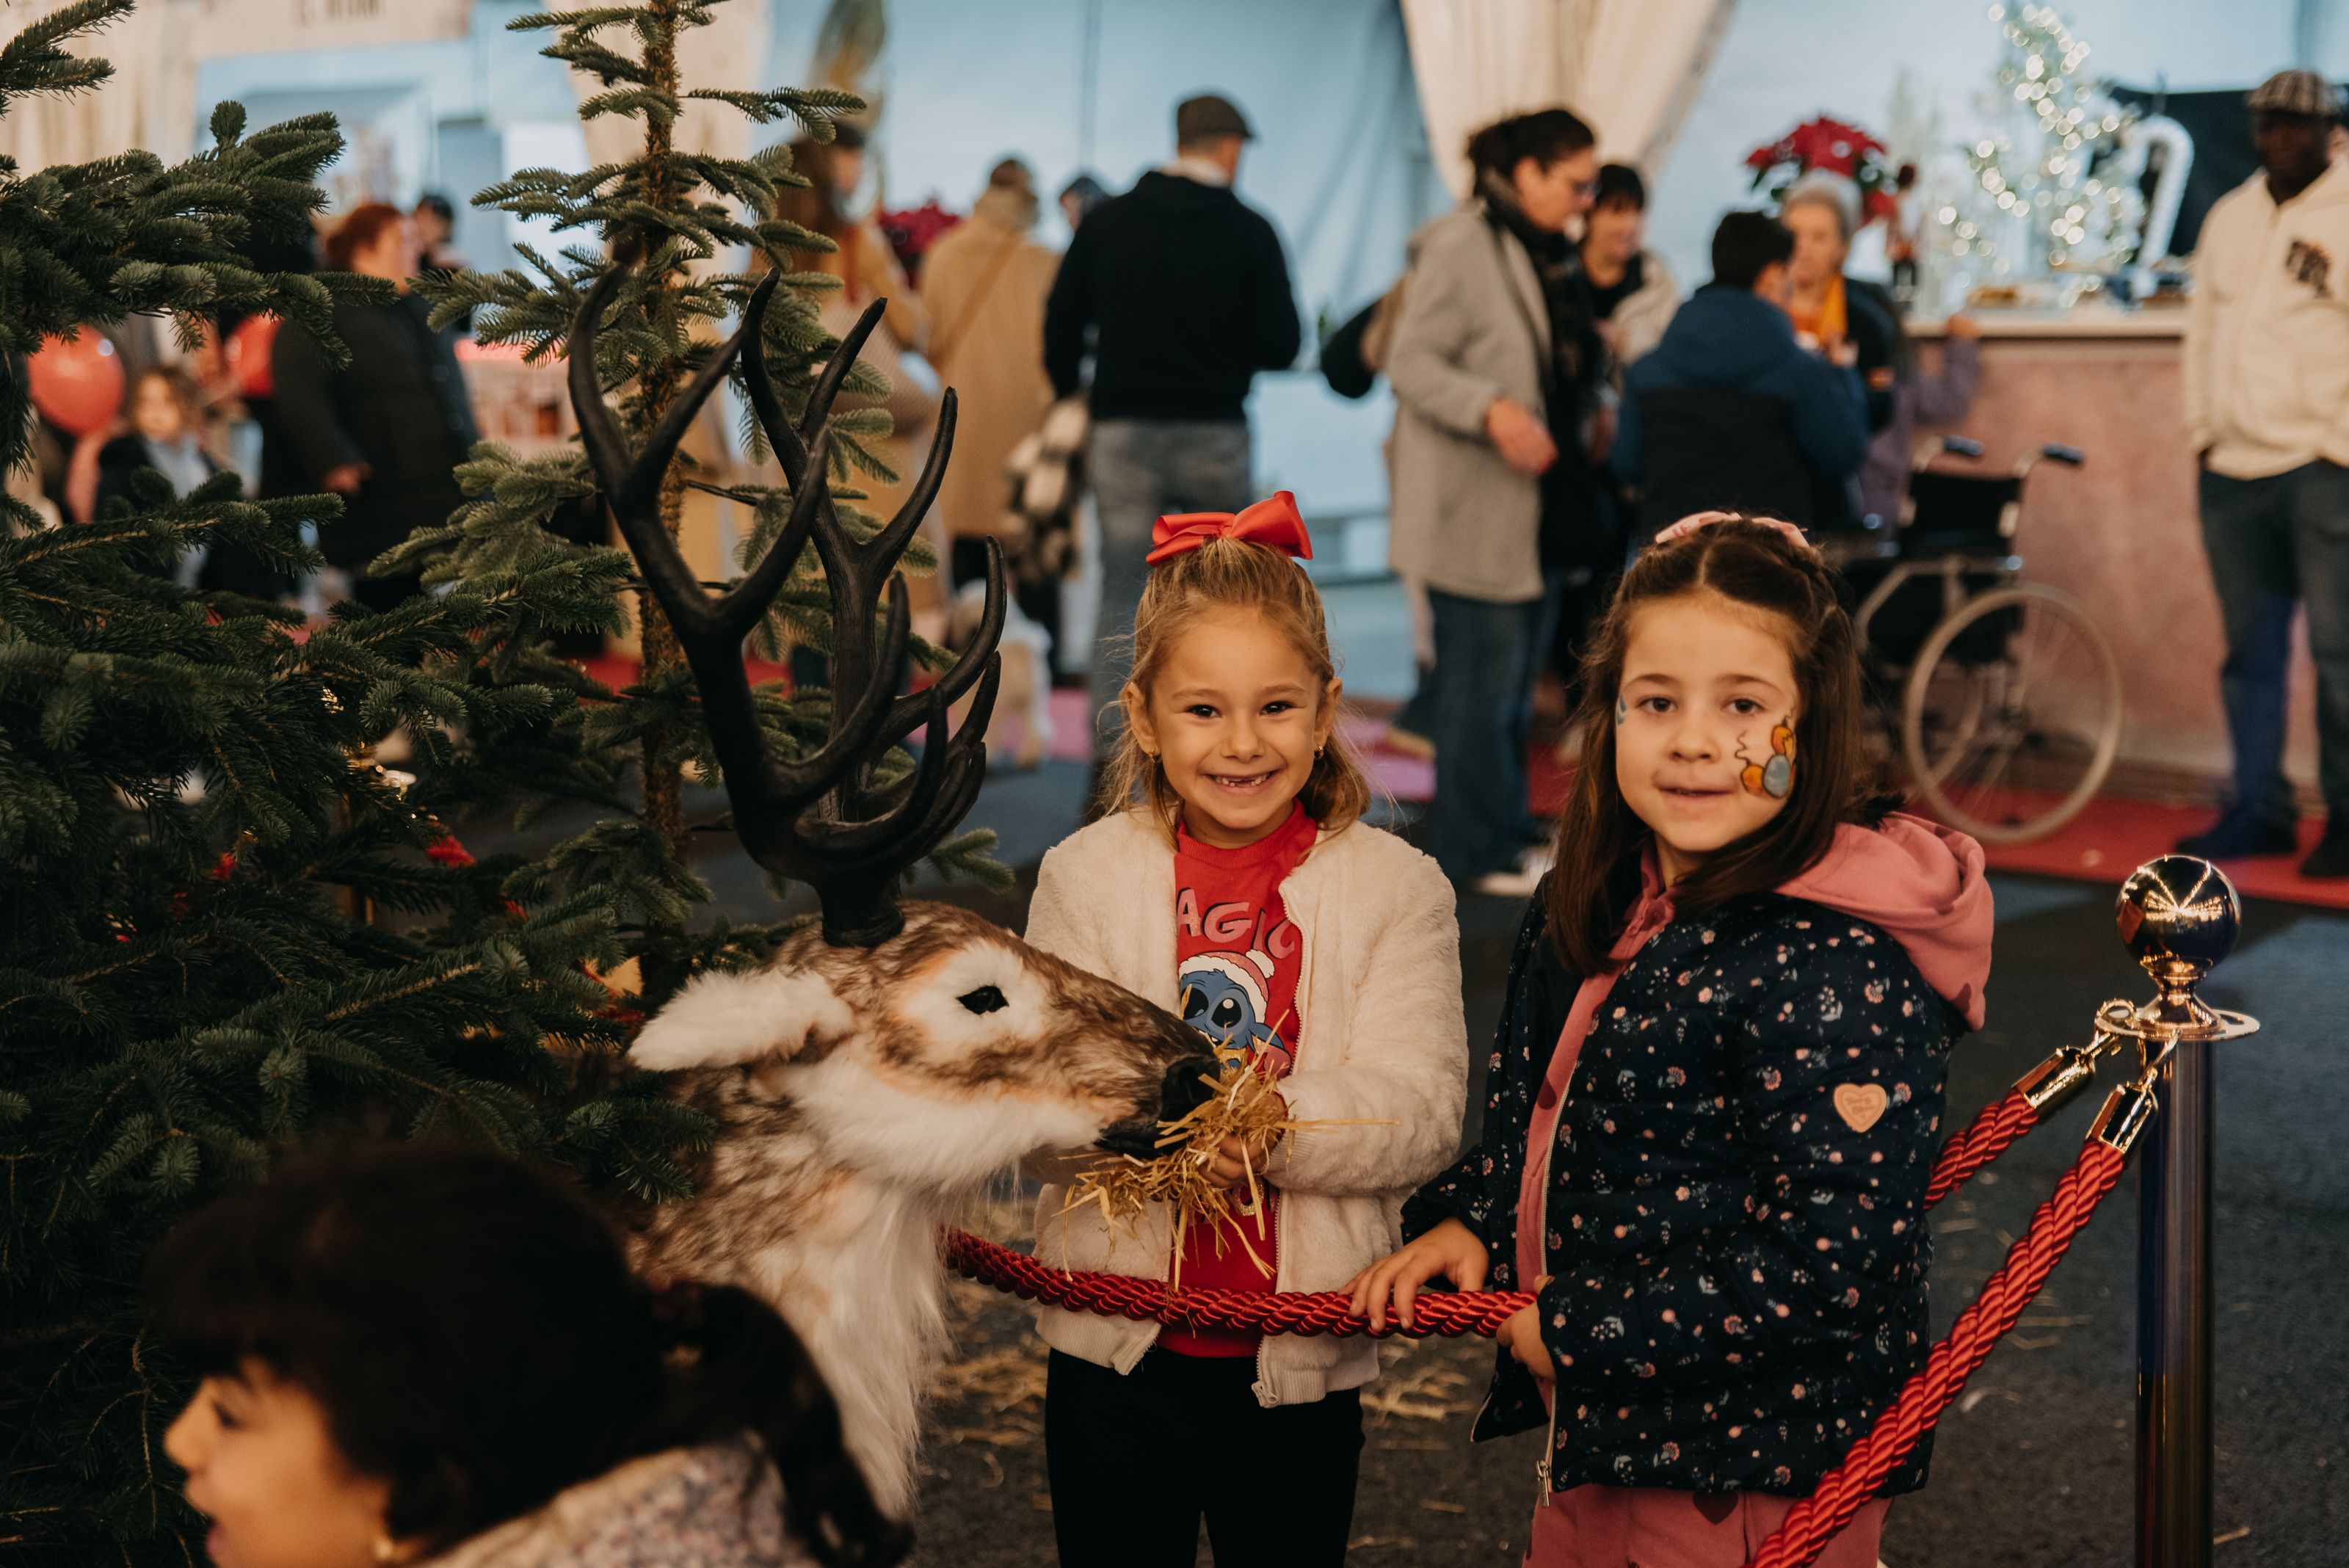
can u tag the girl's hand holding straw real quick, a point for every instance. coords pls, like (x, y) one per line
(1239, 1162)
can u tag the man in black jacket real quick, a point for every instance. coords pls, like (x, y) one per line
(1729, 412)
(1186, 294)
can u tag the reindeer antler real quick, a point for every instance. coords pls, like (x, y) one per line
(817, 819)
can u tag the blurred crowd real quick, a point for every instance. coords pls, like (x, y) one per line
(1558, 400)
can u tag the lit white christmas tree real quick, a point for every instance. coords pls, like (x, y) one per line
(2050, 192)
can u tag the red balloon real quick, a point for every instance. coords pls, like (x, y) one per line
(77, 384)
(248, 356)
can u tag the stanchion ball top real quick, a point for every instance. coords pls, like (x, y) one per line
(2178, 910)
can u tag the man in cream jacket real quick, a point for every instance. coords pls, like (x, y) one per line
(2267, 409)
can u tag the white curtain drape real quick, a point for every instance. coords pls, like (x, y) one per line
(728, 54)
(149, 101)
(1629, 68)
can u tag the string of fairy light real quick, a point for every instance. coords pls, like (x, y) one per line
(2076, 121)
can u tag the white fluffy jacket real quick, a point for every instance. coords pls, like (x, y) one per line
(2267, 329)
(1383, 1040)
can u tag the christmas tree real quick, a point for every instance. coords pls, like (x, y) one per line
(224, 927)
(2045, 193)
(678, 225)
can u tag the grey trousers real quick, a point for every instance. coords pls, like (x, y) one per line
(1141, 469)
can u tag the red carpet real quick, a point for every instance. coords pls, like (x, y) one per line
(616, 671)
(2113, 837)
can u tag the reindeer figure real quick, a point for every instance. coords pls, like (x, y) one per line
(884, 1068)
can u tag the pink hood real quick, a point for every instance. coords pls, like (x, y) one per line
(1921, 884)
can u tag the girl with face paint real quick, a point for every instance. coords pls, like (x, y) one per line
(1713, 1103)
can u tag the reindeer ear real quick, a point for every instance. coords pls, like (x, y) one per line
(721, 1019)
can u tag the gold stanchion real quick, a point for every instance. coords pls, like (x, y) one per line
(2179, 916)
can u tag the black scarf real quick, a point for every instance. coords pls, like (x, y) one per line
(1576, 352)
(1577, 529)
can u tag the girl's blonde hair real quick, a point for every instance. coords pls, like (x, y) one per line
(1233, 574)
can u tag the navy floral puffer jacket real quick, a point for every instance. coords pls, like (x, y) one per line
(1739, 1272)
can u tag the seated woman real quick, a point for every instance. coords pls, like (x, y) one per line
(1850, 322)
(417, 1354)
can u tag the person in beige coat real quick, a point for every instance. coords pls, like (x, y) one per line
(985, 281)
(867, 269)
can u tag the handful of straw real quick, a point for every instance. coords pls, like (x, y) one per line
(1245, 1105)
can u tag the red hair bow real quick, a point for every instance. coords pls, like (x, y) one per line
(1272, 522)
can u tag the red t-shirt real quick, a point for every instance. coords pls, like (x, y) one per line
(1238, 955)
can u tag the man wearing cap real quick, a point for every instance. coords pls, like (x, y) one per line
(2267, 409)
(1186, 294)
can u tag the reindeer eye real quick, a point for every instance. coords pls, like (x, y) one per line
(986, 999)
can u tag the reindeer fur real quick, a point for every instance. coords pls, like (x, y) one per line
(861, 1104)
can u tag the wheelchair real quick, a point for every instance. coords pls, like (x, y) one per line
(2000, 697)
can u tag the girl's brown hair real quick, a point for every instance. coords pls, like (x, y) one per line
(816, 205)
(1233, 574)
(358, 230)
(176, 382)
(1836, 782)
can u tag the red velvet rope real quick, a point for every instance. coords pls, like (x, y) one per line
(1812, 1522)
(1449, 1314)
(1985, 1138)
(1815, 1520)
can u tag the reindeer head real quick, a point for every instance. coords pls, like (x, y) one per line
(934, 1061)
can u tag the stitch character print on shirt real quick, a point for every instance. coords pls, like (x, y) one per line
(2310, 264)
(1225, 996)
(1772, 776)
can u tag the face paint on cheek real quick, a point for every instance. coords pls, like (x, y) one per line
(1773, 777)
(1621, 712)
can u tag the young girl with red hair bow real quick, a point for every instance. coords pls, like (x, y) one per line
(1231, 880)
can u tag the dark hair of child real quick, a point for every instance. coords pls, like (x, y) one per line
(475, 1338)
(176, 382)
(1761, 570)
(1746, 243)
(1620, 184)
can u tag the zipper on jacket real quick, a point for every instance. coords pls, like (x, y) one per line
(1541, 1242)
(1265, 1397)
(2262, 287)
(1262, 1388)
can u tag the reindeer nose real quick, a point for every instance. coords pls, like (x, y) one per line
(1187, 1084)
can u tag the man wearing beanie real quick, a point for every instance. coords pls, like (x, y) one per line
(2267, 409)
(1186, 292)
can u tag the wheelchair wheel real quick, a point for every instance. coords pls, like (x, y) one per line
(2011, 713)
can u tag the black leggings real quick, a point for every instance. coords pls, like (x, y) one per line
(1137, 1460)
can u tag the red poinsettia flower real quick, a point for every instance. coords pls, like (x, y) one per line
(912, 231)
(1823, 145)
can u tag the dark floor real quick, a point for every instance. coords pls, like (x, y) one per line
(2034, 1464)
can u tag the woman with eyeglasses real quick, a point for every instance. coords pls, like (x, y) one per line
(1498, 370)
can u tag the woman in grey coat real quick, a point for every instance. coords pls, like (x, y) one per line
(1497, 366)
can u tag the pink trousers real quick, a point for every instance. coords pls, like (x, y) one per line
(1647, 1527)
